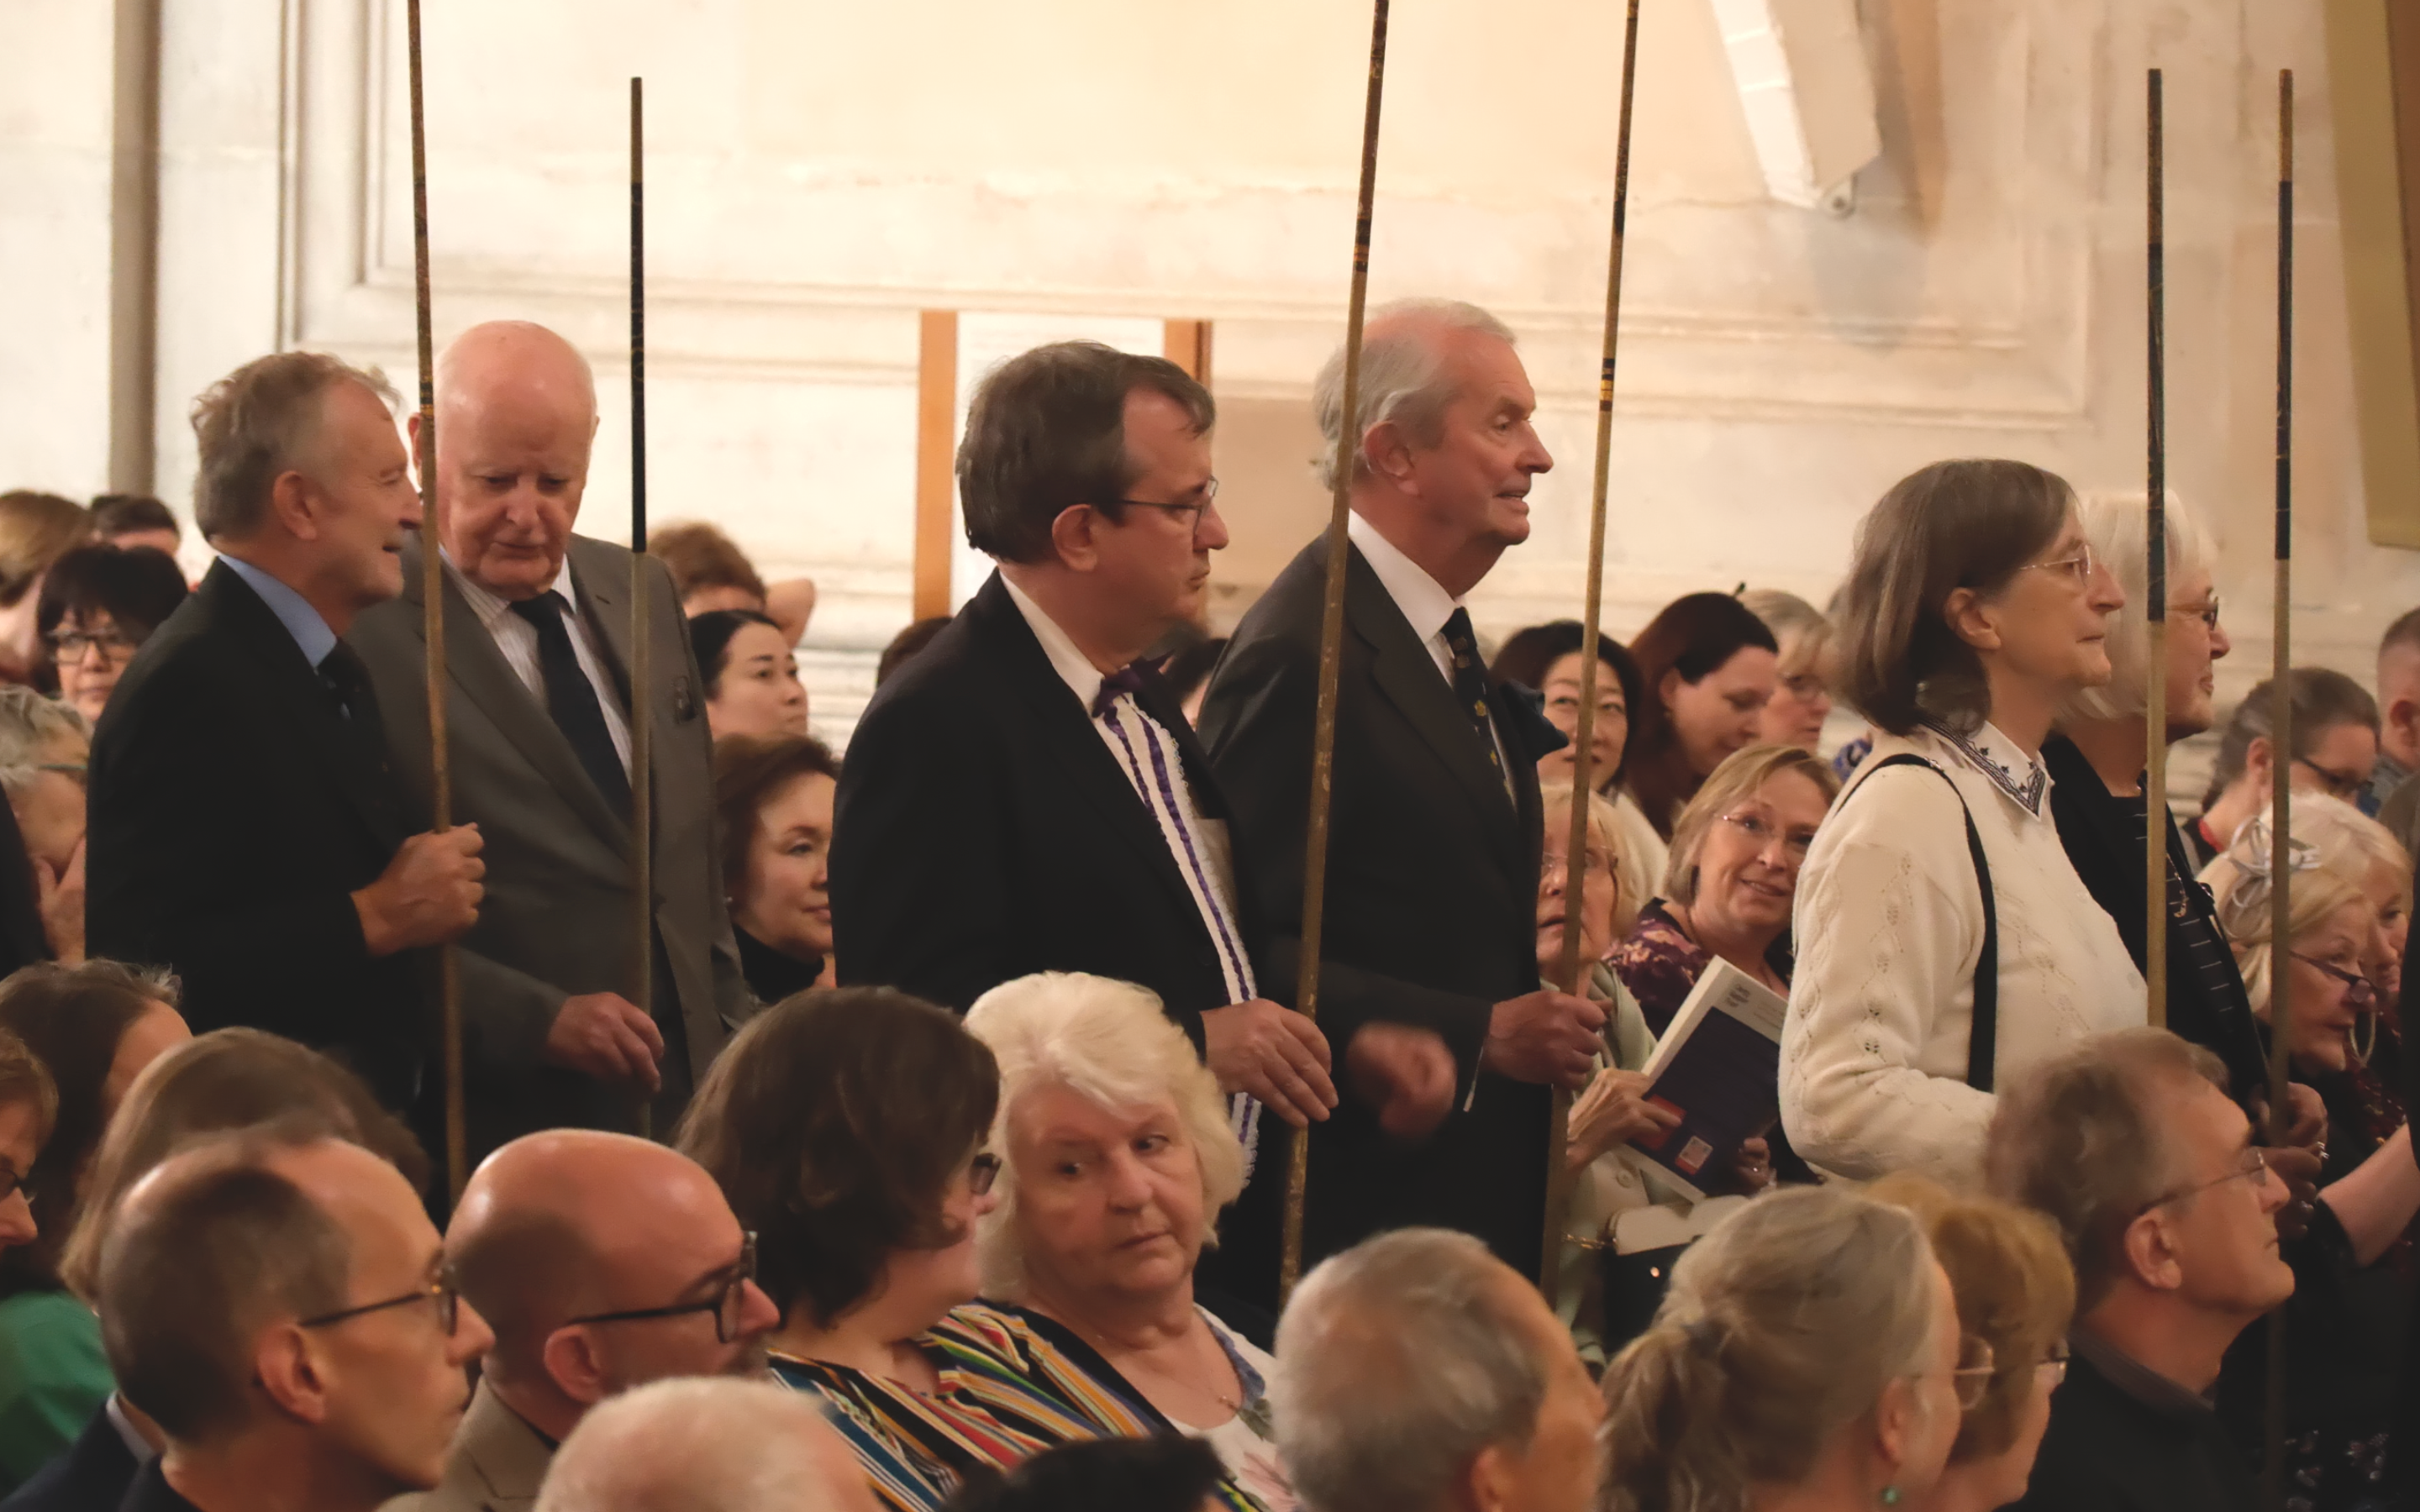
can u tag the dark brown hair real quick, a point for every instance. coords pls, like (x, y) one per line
(1694, 635)
(906, 644)
(833, 1123)
(710, 635)
(1047, 430)
(1961, 524)
(138, 588)
(24, 1079)
(1529, 654)
(2321, 698)
(72, 1018)
(121, 514)
(700, 556)
(748, 771)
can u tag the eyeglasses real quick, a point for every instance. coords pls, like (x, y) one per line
(1191, 507)
(1600, 862)
(68, 648)
(1805, 687)
(2359, 992)
(2338, 784)
(2253, 1167)
(2053, 1364)
(2207, 613)
(2079, 566)
(982, 1172)
(1976, 1369)
(443, 1291)
(12, 1184)
(1762, 833)
(728, 1301)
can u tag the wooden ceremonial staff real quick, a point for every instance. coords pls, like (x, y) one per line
(1571, 969)
(432, 594)
(2281, 740)
(2155, 605)
(642, 888)
(1331, 634)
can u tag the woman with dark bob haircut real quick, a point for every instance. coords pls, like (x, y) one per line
(98, 605)
(1974, 609)
(847, 1129)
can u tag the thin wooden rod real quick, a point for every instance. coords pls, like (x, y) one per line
(1571, 973)
(2155, 565)
(432, 593)
(642, 881)
(1332, 632)
(2281, 743)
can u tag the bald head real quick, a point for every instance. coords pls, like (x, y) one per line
(706, 1446)
(512, 363)
(516, 417)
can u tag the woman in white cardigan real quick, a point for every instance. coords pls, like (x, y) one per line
(1974, 608)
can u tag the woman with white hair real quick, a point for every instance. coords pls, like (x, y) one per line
(1116, 1156)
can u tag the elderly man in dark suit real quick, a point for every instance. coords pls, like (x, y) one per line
(245, 829)
(538, 651)
(1433, 851)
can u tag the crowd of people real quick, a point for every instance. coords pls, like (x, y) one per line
(922, 1140)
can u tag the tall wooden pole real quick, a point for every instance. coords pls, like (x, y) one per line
(2281, 742)
(643, 882)
(2155, 575)
(1332, 631)
(432, 593)
(1570, 974)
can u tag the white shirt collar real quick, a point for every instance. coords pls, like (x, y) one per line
(491, 606)
(2023, 777)
(1074, 667)
(1423, 601)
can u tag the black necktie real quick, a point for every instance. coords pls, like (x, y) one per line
(571, 698)
(1471, 683)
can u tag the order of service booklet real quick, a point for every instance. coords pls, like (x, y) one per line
(1718, 1066)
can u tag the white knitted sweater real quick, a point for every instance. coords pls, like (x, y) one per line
(1889, 926)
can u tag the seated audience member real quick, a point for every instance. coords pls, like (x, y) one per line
(2398, 713)
(1117, 1156)
(228, 1080)
(773, 804)
(29, 1105)
(1187, 674)
(1706, 669)
(1167, 1472)
(752, 678)
(281, 1308)
(36, 530)
(98, 605)
(1415, 1372)
(712, 573)
(94, 1027)
(846, 1129)
(133, 521)
(1808, 1354)
(43, 749)
(1802, 688)
(2016, 1292)
(1546, 658)
(601, 1262)
(1731, 880)
(705, 1446)
(906, 644)
(2128, 1142)
(2335, 745)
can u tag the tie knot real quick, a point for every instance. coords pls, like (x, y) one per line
(1458, 633)
(545, 609)
(1126, 679)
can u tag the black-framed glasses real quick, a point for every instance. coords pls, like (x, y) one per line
(2359, 992)
(1188, 510)
(69, 646)
(2206, 613)
(982, 1171)
(2253, 1166)
(2078, 566)
(2338, 784)
(729, 1301)
(443, 1292)
(12, 1184)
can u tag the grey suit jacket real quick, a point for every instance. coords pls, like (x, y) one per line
(558, 918)
(496, 1463)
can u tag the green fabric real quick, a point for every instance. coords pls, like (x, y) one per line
(52, 1378)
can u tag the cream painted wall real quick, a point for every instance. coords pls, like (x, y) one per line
(818, 174)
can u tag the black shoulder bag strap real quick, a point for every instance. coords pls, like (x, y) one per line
(1983, 1038)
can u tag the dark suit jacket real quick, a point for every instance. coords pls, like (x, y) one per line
(150, 1492)
(1431, 895)
(234, 810)
(91, 1475)
(983, 831)
(557, 919)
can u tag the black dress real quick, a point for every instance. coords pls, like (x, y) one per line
(773, 975)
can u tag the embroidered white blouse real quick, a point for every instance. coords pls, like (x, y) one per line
(1889, 927)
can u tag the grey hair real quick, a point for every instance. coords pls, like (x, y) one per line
(1397, 1361)
(1802, 631)
(2114, 524)
(695, 1444)
(1110, 1043)
(1402, 375)
(30, 725)
(258, 422)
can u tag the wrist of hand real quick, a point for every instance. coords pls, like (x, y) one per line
(377, 934)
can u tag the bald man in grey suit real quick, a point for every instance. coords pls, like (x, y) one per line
(538, 651)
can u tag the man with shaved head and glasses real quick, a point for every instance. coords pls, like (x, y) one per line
(603, 1262)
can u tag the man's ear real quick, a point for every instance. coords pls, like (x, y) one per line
(570, 1360)
(1491, 1483)
(290, 1374)
(1386, 451)
(2150, 1252)
(1970, 619)
(1075, 537)
(294, 502)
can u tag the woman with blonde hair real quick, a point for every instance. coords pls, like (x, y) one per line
(36, 530)
(1808, 1355)
(1802, 690)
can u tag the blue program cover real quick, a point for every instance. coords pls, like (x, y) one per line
(1718, 1066)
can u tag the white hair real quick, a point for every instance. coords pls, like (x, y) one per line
(697, 1445)
(1397, 1361)
(2115, 525)
(1109, 1042)
(1402, 374)
(31, 729)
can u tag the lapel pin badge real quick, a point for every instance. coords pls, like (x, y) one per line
(684, 701)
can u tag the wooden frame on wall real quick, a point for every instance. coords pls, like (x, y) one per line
(2374, 81)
